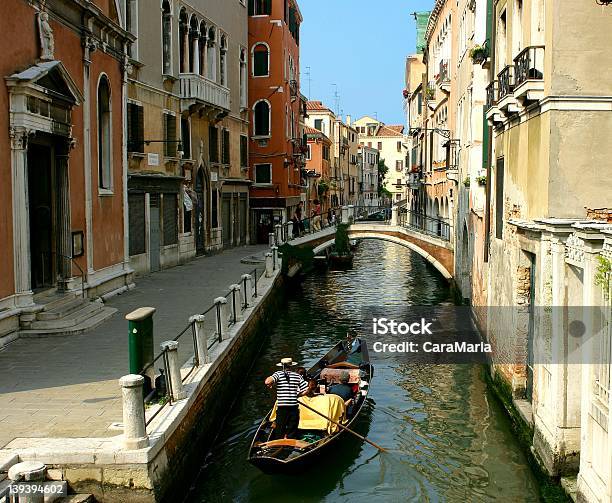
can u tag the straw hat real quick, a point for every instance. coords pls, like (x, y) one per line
(286, 362)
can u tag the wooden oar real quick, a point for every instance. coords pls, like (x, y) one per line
(344, 428)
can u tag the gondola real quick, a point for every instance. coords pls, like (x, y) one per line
(287, 455)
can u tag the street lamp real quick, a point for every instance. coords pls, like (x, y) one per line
(442, 132)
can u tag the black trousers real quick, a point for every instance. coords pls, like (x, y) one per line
(287, 421)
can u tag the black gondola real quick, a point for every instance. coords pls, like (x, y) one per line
(285, 455)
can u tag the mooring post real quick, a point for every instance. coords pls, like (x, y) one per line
(345, 215)
(174, 369)
(221, 318)
(28, 471)
(201, 339)
(236, 299)
(394, 212)
(278, 231)
(271, 241)
(247, 289)
(275, 265)
(269, 265)
(290, 230)
(134, 429)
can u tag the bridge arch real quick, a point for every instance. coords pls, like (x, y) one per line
(355, 234)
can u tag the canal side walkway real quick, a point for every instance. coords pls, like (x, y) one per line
(67, 386)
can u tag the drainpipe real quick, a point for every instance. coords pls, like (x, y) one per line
(488, 134)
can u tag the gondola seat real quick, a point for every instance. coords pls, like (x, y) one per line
(332, 375)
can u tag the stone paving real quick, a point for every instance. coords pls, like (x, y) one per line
(68, 386)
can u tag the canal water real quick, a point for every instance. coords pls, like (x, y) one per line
(448, 437)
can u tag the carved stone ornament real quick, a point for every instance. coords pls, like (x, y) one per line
(19, 138)
(47, 41)
(574, 250)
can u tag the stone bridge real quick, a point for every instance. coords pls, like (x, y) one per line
(437, 250)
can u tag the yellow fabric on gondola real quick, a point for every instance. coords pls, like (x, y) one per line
(330, 405)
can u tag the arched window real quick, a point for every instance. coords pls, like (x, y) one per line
(183, 41)
(167, 37)
(212, 54)
(243, 77)
(261, 60)
(194, 39)
(104, 134)
(261, 119)
(222, 61)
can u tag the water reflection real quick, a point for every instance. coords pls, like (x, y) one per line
(448, 439)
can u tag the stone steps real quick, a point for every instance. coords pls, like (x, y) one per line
(60, 310)
(74, 316)
(66, 327)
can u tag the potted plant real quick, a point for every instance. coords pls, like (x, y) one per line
(479, 53)
(466, 182)
(482, 180)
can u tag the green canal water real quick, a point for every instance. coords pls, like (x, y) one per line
(448, 437)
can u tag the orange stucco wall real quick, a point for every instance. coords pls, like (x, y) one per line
(20, 43)
(281, 44)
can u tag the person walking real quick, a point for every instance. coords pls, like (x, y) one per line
(316, 216)
(289, 387)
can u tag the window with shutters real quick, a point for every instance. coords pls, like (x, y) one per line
(261, 60)
(186, 138)
(399, 146)
(260, 7)
(244, 151)
(135, 128)
(226, 147)
(213, 145)
(169, 134)
(136, 211)
(166, 38)
(379, 145)
(261, 118)
(170, 219)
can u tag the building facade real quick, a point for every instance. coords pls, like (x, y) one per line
(367, 160)
(392, 145)
(63, 208)
(187, 130)
(318, 162)
(276, 144)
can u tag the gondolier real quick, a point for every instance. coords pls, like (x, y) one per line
(289, 386)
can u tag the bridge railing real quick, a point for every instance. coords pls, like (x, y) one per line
(293, 229)
(425, 224)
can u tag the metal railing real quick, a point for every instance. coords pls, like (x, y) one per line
(425, 224)
(491, 95)
(529, 64)
(52, 254)
(160, 391)
(506, 81)
(443, 75)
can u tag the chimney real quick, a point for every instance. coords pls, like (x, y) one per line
(348, 120)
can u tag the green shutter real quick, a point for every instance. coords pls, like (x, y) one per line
(251, 7)
(170, 145)
(261, 62)
(268, 7)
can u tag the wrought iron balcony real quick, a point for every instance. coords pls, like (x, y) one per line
(529, 74)
(200, 89)
(505, 82)
(491, 95)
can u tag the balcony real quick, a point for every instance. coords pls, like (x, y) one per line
(293, 89)
(491, 110)
(505, 97)
(529, 74)
(196, 89)
(443, 79)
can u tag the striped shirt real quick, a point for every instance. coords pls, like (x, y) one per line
(288, 387)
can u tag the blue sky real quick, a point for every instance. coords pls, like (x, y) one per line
(360, 45)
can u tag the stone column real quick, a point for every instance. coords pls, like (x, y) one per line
(394, 212)
(221, 318)
(64, 235)
(269, 265)
(28, 471)
(278, 232)
(21, 222)
(274, 257)
(236, 312)
(185, 42)
(174, 369)
(134, 428)
(201, 339)
(345, 215)
(247, 289)
(203, 56)
(196, 53)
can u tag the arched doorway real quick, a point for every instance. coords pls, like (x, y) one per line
(201, 190)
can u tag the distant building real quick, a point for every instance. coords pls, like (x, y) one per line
(276, 155)
(392, 145)
(318, 160)
(368, 176)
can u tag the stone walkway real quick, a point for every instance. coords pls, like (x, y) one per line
(67, 386)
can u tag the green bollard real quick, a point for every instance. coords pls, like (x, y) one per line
(140, 338)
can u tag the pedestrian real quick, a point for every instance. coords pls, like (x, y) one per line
(289, 386)
(298, 214)
(316, 216)
(329, 216)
